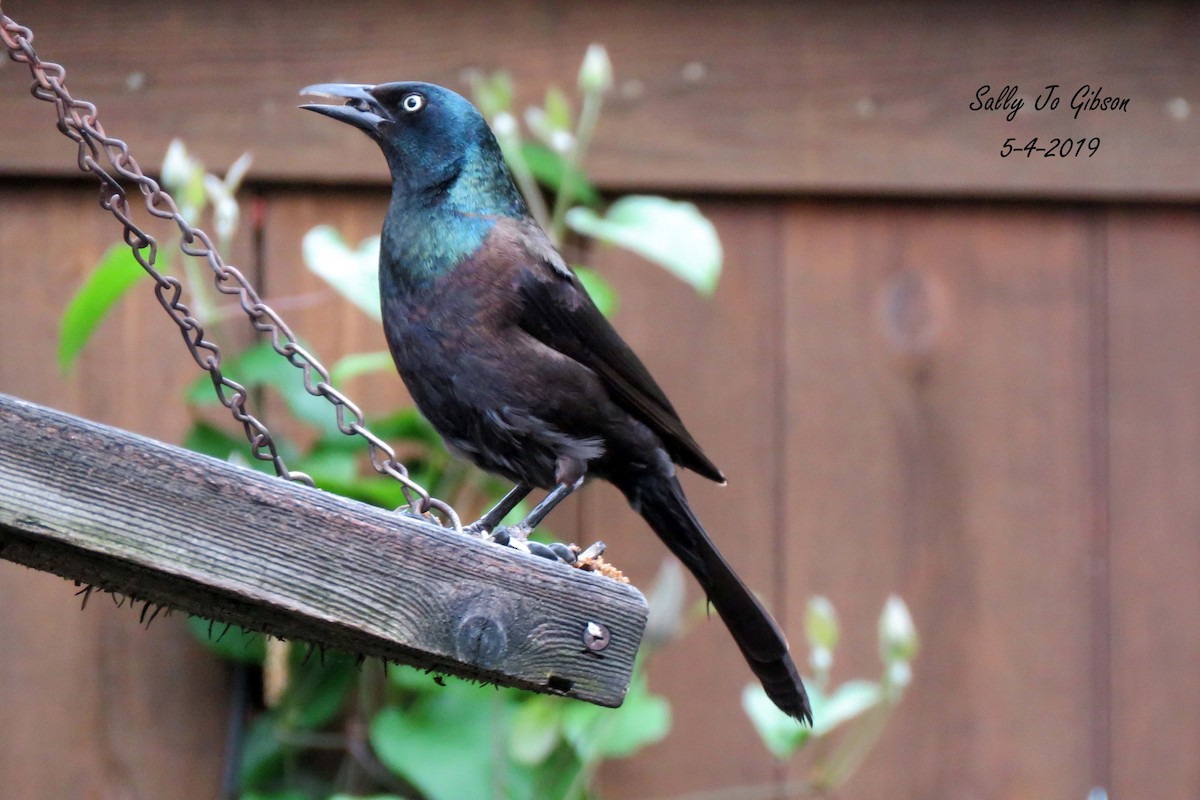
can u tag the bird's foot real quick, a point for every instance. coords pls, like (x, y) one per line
(517, 537)
(483, 527)
(478, 529)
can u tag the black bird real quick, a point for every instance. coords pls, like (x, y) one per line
(506, 355)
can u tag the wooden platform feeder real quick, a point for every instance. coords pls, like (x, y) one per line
(174, 528)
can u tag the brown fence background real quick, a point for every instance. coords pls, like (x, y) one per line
(930, 370)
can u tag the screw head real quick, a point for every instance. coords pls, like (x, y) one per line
(596, 637)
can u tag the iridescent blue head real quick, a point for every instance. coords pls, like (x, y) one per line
(430, 136)
(449, 179)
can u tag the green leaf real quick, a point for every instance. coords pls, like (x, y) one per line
(234, 644)
(356, 364)
(536, 729)
(316, 691)
(352, 272)
(596, 733)
(210, 440)
(601, 291)
(411, 679)
(821, 623)
(558, 109)
(845, 703)
(117, 271)
(261, 366)
(262, 753)
(380, 491)
(335, 466)
(780, 733)
(492, 93)
(406, 424)
(549, 168)
(555, 777)
(671, 233)
(286, 794)
(440, 744)
(340, 796)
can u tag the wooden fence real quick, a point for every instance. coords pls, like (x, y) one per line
(928, 369)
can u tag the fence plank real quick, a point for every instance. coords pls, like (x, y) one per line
(938, 396)
(94, 684)
(716, 358)
(1154, 263)
(831, 97)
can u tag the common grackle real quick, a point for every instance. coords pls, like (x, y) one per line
(506, 355)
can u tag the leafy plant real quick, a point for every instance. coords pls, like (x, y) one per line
(195, 191)
(858, 708)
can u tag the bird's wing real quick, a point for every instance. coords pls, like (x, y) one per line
(557, 311)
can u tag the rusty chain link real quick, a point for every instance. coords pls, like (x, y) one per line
(77, 121)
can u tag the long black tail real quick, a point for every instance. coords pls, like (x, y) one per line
(661, 502)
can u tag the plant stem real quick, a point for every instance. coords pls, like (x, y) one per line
(511, 145)
(589, 115)
(201, 294)
(859, 741)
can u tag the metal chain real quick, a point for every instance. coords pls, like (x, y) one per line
(77, 121)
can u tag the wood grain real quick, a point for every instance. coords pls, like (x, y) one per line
(938, 447)
(1154, 264)
(775, 96)
(716, 358)
(171, 527)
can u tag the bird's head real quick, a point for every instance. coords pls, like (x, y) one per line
(425, 131)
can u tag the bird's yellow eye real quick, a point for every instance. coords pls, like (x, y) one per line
(413, 102)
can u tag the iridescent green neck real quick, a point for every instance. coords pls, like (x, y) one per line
(430, 230)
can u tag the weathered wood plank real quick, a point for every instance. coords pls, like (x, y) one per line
(938, 387)
(780, 97)
(146, 519)
(1154, 313)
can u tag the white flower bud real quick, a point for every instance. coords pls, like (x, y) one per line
(504, 125)
(897, 634)
(561, 141)
(595, 74)
(177, 166)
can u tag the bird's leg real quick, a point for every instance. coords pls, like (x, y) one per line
(568, 475)
(518, 535)
(559, 493)
(486, 523)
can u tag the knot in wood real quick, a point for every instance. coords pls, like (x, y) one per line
(480, 640)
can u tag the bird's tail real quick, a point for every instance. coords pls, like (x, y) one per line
(661, 502)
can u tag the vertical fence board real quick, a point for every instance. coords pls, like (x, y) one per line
(715, 357)
(938, 447)
(1154, 299)
(93, 705)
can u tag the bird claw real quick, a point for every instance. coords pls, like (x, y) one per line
(517, 537)
(478, 529)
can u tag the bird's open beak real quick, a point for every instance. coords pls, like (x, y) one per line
(361, 109)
